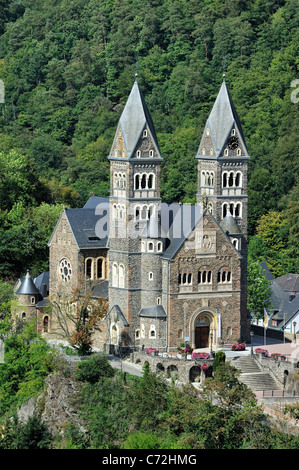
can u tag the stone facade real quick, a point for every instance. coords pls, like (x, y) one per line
(162, 288)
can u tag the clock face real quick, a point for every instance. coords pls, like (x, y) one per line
(65, 270)
(233, 143)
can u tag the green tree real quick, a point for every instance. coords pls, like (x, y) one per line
(258, 290)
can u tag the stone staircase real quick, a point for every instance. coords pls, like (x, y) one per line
(252, 374)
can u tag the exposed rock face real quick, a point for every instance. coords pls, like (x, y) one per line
(56, 404)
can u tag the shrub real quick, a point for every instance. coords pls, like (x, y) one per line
(93, 369)
(219, 359)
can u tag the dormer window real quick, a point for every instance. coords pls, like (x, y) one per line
(233, 132)
(208, 132)
(239, 152)
(138, 154)
(144, 133)
(151, 153)
(226, 152)
(203, 151)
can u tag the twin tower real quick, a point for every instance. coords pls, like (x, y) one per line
(150, 281)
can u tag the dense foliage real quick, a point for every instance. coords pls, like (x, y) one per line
(68, 68)
(148, 413)
(121, 411)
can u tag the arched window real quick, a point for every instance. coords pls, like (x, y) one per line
(185, 277)
(89, 268)
(143, 181)
(160, 246)
(144, 213)
(224, 275)
(151, 181)
(152, 331)
(100, 268)
(144, 134)
(203, 151)
(115, 275)
(224, 180)
(137, 181)
(224, 210)
(203, 178)
(231, 179)
(226, 152)
(138, 154)
(205, 275)
(121, 282)
(150, 276)
(46, 324)
(235, 242)
(150, 246)
(151, 153)
(238, 181)
(238, 209)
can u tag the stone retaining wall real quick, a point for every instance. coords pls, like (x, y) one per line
(186, 370)
(283, 370)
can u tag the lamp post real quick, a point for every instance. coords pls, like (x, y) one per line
(211, 338)
(251, 338)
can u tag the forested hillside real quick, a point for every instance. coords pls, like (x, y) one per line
(68, 67)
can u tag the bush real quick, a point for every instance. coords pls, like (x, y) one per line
(93, 369)
(219, 359)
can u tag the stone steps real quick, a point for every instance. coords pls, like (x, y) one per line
(253, 376)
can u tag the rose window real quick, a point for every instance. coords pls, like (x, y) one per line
(65, 269)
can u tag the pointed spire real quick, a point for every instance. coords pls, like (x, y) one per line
(135, 117)
(222, 119)
(27, 287)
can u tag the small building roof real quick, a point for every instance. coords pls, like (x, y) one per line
(27, 287)
(289, 282)
(156, 311)
(229, 224)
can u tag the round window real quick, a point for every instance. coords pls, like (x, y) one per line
(65, 269)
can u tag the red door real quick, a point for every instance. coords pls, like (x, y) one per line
(202, 337)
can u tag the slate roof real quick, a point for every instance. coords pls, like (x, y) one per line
(222, 119)
(100, 290)
(156, 311)
(119, 313)
(267, 272)
(83, 224)
(133, 120)
(288, 282)
(27, 286)
(229, 224)
(178, 232)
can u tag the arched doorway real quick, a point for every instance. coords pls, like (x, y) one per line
(46, 324)
(202, 330)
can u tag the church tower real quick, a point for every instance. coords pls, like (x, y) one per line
(222, 181)
(134, 198)
(223, 163)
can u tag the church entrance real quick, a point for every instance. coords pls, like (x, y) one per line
(202, 336)
(202, 331)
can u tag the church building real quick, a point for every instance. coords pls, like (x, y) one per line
(170, 272)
